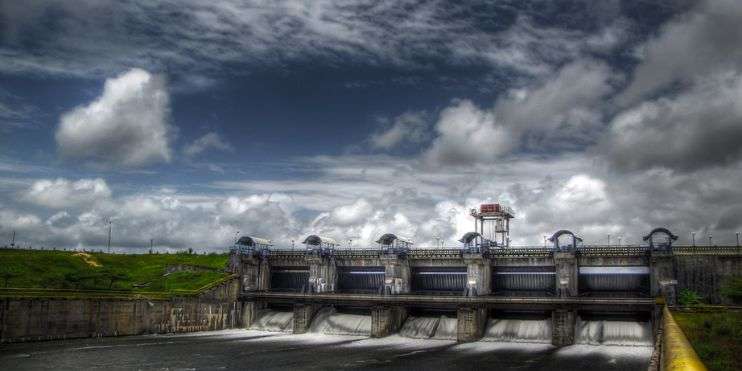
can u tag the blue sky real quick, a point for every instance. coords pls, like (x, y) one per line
(187, 122)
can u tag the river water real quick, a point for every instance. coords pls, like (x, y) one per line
(262, 350)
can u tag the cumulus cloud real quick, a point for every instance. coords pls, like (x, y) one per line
(468, 134)
(128, 125)
(61, 193)
(409, 127)
(563, 112)
(701, 42)
(699, 127)
(206, 142)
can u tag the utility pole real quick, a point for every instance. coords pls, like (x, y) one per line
(12, 239)
(737, 239)
(609, 240)
(693, 238)
(109, 236)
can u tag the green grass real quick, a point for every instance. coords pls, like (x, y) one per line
(66, 271)
(716, 337)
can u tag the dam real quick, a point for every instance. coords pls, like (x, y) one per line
(564, 294)
(391, 306)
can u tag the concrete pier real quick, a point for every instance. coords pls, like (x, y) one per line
(303, 314)
(478, 274)
(565, 265)
(562, 327)
(470, 323)
(386, 320)
(322, 273)
(396, 274)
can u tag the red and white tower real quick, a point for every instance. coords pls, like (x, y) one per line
(492, 221)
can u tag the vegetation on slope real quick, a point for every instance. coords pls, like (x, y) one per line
(716, 337)
(66, 270)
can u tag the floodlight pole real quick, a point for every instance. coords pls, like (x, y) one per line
(109, 236)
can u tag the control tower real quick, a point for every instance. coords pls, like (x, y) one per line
(492, 221)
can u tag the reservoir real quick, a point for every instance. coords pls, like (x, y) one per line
(505, 349)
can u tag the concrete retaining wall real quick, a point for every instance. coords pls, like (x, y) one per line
(47, 319)
(706, 274)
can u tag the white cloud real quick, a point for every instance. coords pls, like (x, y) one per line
(207, 141)
(698, 127)
(581, 192)
(702, 42)
(63, 193)
(354, 213)
(201, 37)
(563, 112)
(468, 134)
(409, 127)
(127, 125)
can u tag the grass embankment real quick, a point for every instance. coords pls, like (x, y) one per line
(716, 337)
(76, 274)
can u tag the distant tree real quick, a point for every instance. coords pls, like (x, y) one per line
(114, 275)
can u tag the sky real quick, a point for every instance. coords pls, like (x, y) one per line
(185, 123)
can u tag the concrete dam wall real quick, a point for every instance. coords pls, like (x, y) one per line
(28, 319)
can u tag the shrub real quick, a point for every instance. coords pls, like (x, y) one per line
(732, 289)
(689, 298)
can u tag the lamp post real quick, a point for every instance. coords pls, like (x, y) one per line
(110, 224)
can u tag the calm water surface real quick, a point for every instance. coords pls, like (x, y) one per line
(245, 349)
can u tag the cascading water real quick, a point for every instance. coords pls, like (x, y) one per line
(274, 321)
(419, 327)
(329, 321)
(518, 330)
(441, 328)
(446, 328)
(629, 333)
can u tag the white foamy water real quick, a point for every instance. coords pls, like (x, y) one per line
(441, 328)
(518, 331)
(329, 321)
(419, 327)
(631, 333)
(273, 321)
(446, 328)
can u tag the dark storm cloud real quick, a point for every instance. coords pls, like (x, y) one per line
(103, 37)
(588, 117)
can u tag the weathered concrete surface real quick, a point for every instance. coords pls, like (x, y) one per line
(386, 320)
(566, 274)
(303, 314)
(470, 323)
(46, 319)
(562, 327)
(707, 274)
